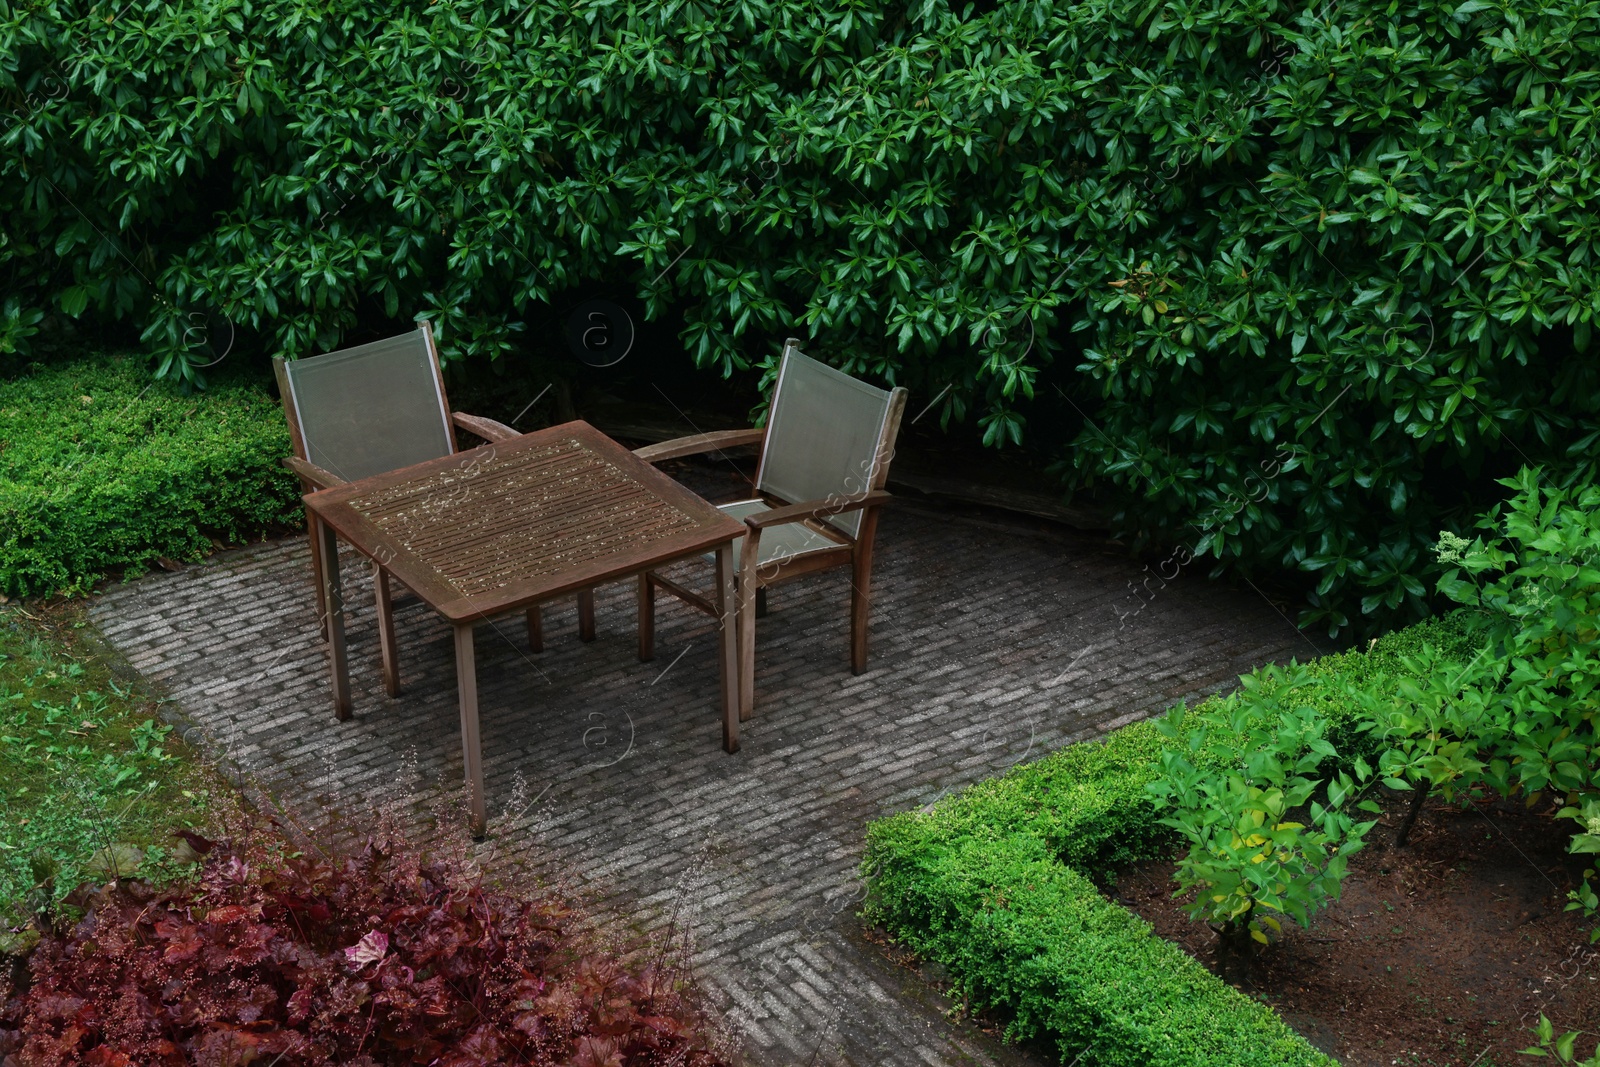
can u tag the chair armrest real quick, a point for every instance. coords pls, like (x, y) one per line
(816, 509)
(700, 442)
(487, 429)
(313, 474)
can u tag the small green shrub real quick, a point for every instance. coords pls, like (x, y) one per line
(1247, 856)
(103, 468)
(1539, 594)
(1434, 720)
(1089, 801)
(1564, 1048)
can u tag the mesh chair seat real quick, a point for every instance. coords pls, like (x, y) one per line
(788, 541)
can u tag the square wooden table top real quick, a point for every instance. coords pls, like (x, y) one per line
(506, 525)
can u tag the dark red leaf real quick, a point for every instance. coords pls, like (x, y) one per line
(597, 1052)
(224, 1046)
(299, 1007)
(469, 975)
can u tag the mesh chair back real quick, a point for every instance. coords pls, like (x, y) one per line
(369, 409)
(823, 431)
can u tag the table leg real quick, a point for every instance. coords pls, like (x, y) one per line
(586, 614)
(647, 619)
(729, 652)
(471, 749)
(536, 628)
(391, 664)
(333, 616)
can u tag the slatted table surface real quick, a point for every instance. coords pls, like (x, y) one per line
(505, 518)
(504, 526)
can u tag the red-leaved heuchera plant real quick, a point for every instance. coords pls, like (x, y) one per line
(376, 958)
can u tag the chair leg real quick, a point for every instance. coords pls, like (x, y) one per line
(647, 619)
(386, 645)
(861, 590)
(536, 629)
(333, 596)
(728, 647)
(761, 603)
(586, 615)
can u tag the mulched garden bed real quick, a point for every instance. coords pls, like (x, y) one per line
(1443, 952)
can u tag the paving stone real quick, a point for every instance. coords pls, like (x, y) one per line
(993, 641)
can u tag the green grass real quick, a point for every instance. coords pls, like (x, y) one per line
(102, 468)
(85, 766)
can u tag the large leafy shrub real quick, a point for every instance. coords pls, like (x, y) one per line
(1345, 250)
(379, 957)
(102, 468)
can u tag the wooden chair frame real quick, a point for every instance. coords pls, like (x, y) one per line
(754, 577)
(313, 477)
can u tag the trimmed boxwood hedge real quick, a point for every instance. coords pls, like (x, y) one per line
(1023, 932)
(995, 884)
(103, 468)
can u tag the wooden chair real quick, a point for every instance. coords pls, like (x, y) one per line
(375, 408)
(825, 456)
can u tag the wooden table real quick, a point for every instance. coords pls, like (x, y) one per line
(500, 528)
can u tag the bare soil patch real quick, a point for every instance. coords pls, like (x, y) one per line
(1444, 952)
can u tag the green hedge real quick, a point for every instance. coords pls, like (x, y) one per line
(995, 884)
(1315, 274)
(101, 468)
(1022, 932)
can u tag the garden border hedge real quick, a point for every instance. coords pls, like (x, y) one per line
(102, 468)
(995, 883)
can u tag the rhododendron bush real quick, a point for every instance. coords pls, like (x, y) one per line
(375, 958)
(1312, 274)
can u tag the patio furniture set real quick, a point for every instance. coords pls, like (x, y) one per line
(526, 518)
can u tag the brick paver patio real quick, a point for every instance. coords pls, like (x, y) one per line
(993, 640)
